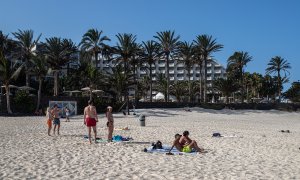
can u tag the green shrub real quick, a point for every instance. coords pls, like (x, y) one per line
(23, 103)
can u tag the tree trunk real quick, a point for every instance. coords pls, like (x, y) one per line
(39, 95)
(168, 78)
(242, 85)
(150, 83)
(55, 83)
(205, 81)
(279, 86)
(27, 73)
(189, 81)
(96, 59)
(91, 95)
(8, 99)
(200, 80)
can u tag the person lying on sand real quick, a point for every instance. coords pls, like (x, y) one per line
(176, 144)
(188, 144)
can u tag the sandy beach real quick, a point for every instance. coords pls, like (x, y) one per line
(253, 147)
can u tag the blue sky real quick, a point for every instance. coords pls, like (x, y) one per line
(264, 28)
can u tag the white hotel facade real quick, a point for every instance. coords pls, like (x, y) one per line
(177, 71)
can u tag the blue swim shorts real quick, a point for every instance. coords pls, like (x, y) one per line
(56, 121)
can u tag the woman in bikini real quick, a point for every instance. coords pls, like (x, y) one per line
(90, 119)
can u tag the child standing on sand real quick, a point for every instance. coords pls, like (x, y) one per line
(49, 120)
(67, 110)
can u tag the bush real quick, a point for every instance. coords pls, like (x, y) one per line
(23, 103)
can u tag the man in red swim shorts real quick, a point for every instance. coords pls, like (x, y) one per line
(90, 119)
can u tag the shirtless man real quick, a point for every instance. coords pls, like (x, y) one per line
(176, 144)
(188, 144)
(56, 121)
(90, 119)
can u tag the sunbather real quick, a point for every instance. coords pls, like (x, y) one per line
(188, 144)
(176, 144)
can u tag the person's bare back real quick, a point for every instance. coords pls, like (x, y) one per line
(90, 112)
(177, 145)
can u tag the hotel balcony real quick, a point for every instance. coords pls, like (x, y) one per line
(180, 78)
(180, 65)
(180, 71)
(161, 65)
(209, 71)
(171, 64)
(171, 72)
(218, 71)
(209, 78)
(153, 71)
(209, 65)
(172, 78)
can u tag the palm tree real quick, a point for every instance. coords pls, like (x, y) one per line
(150, 56)
(225, 86)
(40, 70)
(238, 61)
(7, 74)
(27, 45)
(93, 77)
(269, 86)
(178, 89)
(135, 62)
(277, 65)
(161, 84)
(168, 45)
(126, 49)
(58, 52)
(120, 81)
(93, 42)
(144, 87)
(206, 45)
(186, 52)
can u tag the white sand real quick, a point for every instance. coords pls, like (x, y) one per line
(259, 151)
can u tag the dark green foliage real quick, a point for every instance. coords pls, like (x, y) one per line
(293, 93)
(23, 103)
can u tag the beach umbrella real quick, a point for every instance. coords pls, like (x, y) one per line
(76, 91)
(97, 91)
(86, 89)
(27, 88)
(159, 96)
(11, 86)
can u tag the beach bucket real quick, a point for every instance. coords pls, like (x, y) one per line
(142, 120)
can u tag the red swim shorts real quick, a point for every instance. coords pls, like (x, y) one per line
(90, 122)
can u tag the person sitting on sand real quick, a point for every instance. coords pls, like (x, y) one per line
(188, 144)
(110, 123)
(56, 121)
(49, 120)
(90, 119)
(176, 144)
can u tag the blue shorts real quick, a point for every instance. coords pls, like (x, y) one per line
(56, 121)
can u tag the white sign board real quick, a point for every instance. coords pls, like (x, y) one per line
(71, 105)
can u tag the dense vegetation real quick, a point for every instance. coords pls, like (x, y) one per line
(25, 60)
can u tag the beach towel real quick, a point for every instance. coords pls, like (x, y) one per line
(166, 149)
(115, 139)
